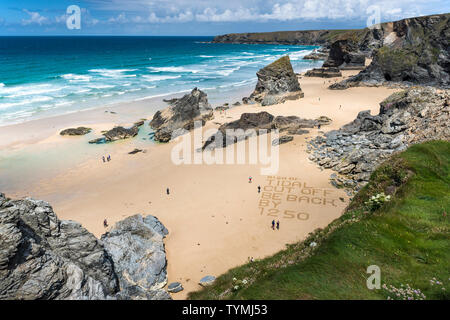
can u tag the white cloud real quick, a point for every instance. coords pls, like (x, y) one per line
(35, 18)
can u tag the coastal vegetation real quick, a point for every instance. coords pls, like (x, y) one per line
(407, 237)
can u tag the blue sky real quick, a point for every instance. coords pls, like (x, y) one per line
(201, 17)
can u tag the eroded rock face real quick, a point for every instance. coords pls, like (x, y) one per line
(136, 246)
(277, 83)
(354, 151)
(181, 114)
(345, 54)
(410, 51)
(80, 131)
(42, 257)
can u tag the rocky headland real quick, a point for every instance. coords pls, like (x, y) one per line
(412, 116)
(42, 257)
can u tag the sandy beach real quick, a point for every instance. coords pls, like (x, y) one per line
(215, 217)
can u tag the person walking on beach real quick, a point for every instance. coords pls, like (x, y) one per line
(318, 126)
(105, 223)
(167, 190)
(103, 159)
(259, 189)
(278, 225)
(250, 179)
(273, 224)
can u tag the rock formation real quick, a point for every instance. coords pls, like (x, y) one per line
(410, 51)
(136, 247)
(321, 54)
(42, 257)
(117, 133)
(354, 151)
(256, 122)
(324, 72)
(181, 114)
(80, 131)
(277, 83)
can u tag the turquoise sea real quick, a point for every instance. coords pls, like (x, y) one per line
(43, 76)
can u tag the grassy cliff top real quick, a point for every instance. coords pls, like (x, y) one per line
(408, 238)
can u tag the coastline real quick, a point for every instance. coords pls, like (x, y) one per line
(223, 227)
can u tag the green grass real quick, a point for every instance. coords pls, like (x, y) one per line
(408, 238)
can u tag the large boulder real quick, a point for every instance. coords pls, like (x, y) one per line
(117, 133)
(42, 257)
(136, 246)
(345, 54)
(324, 72)
(181, 114)
(277, 83)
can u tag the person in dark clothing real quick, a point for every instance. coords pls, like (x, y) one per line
(278, 225)
(259, 189)
(318, 126)
(103, 159)
(105, 223)
(273, 224)
(167, 190)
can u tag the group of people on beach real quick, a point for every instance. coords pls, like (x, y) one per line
(108, 158)
(277, 225)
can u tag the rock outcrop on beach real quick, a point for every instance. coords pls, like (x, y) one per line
(277, 83)
(42, 257)
(407, 117)
(250, 124)
(345, 55)
(181, 114)
(324, 72)
(80, 131)
(117, 133)
(136, 247)
(321, 54)
(410, 51)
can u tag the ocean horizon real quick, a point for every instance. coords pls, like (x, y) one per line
(44, 76)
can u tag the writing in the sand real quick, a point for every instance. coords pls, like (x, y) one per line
(279, 192)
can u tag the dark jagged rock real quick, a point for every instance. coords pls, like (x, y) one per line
(80, 131)
(139, 123)
(254, 122)
(117, 133)
(181, 114)
(282, 139)
(344, 54)
(42, 257)
(277, 83)
(135, 151)
(407, 117)
(136, 246)
(324, 72)
(409, 51)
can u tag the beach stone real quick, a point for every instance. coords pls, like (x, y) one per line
(277, 83)
(80, 131)
(281, 140)
(175, 287)
(135, 151)
(180, 116)
(207, 281)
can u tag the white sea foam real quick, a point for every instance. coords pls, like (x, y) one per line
(173, 69)
(152, 78)
(114, 73)
(76, 77)
(299, 54)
